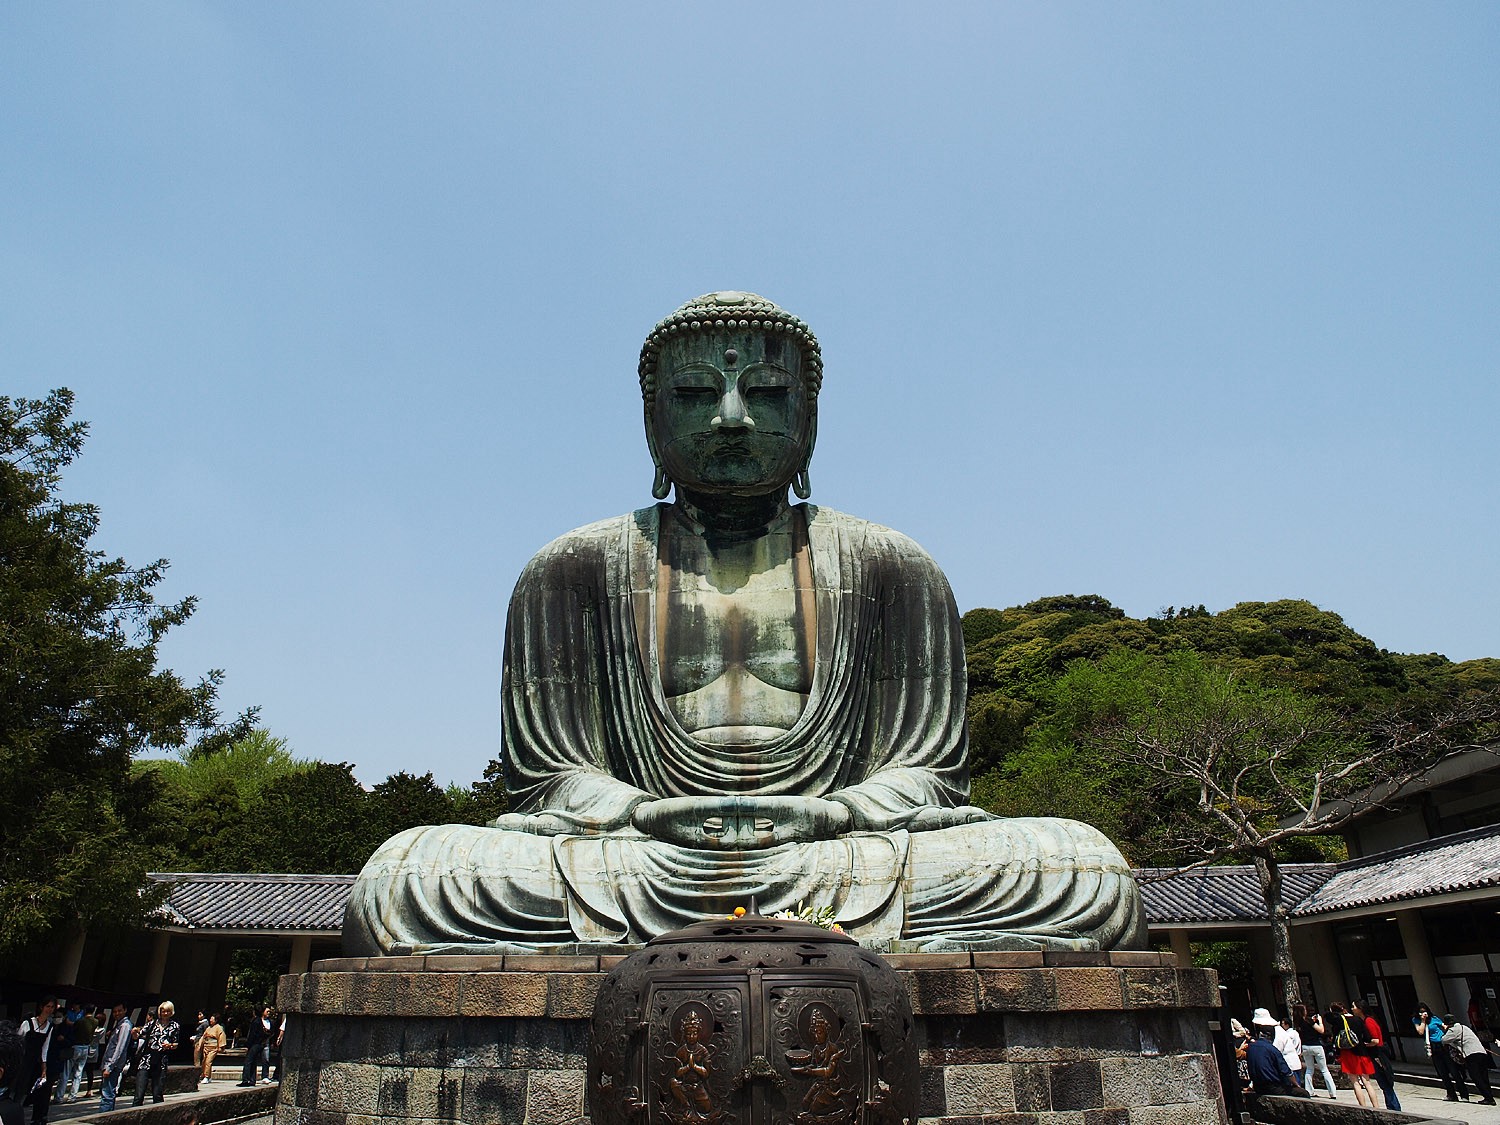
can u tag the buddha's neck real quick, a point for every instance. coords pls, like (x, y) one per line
(731, 519)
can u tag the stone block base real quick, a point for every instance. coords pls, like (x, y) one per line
(1004, 1039)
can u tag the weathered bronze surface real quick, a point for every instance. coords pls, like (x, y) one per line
(752, 1022)
(730, 697)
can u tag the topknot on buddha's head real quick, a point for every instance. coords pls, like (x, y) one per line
(731, 311)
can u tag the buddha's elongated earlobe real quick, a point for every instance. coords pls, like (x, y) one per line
(801, 485)
(661, 487)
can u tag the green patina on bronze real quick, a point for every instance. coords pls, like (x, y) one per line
(730, 697)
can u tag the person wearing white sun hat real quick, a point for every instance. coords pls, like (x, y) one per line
(1269, 1073)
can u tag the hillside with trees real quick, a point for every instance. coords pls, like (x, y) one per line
(1254, 735)
(1046, 682)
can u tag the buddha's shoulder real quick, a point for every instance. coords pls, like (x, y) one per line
(872, 541)
(589, 543)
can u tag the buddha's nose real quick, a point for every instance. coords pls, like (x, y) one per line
(732, 414)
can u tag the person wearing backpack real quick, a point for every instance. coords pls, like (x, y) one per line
(81, 1020)
(1379, 1054)
(1314, 1034)
(1349, 1042)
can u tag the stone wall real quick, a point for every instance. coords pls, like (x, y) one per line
(1005, 1039)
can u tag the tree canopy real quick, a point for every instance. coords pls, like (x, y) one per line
(1252, 735)
(80, 694)
(1020, 736)
(251, 805)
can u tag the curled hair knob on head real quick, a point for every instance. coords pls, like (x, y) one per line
(727, 311)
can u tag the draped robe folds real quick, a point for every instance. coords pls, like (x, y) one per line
(588, 735)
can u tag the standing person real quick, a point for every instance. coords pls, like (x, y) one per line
(276, 1047)
(140, 1055)
(1349, 1040)
(96, 1045)
(64, 1046)
(1432, 1030)
(1241, 1044)
(160, 1042)
(116, 1055)
(1469, 1051)
(210, 1043)
(1379, 1055)
(35, 1078)
(258, 1048)
(1314, 1035)
(83, 1025)
(1289, 1042)
(197, 1037)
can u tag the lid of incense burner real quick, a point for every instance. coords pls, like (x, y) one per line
(753, 927)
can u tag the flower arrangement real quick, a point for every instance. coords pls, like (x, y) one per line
(817, 915)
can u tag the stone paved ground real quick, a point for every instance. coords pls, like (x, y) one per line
(1432, 1101)
(1414, 1099)
(224, 1081)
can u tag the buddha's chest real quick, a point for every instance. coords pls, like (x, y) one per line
(735, 638)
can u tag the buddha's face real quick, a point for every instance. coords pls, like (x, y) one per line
(732, 415)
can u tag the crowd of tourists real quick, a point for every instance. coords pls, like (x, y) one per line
(1291, 1056)
(54, 1055)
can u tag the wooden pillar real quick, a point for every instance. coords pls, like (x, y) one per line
(301, 953)
(1424, 974)
(72, 958)
(218, 985)
(1182, 945)
(1265, 982)
(156, 970)
(1313, 947)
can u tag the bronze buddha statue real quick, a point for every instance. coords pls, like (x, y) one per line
(730, 697)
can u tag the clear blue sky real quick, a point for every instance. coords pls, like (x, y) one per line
(1172, 303)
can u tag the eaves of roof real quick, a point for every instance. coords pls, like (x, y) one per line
(254, 903)
(1448, 866)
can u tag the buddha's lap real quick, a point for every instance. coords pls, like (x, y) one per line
(465, 884)
(982, 849)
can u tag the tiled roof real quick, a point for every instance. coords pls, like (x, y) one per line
(290, 903)
(1463, 862)
(1225, 895)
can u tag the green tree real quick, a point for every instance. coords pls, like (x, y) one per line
(80, 695)
(312, 822)
(404, 801)
(486, 799)
(1231, 768)
(212, 797)
(1017, 656)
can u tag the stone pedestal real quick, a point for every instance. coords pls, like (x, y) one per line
(1004, 1039)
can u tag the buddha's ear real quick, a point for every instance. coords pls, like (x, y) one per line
(802, 483)
(661, 487)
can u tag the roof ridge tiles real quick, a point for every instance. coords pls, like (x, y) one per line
(267, 877)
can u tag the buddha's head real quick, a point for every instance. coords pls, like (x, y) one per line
(730, 384)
